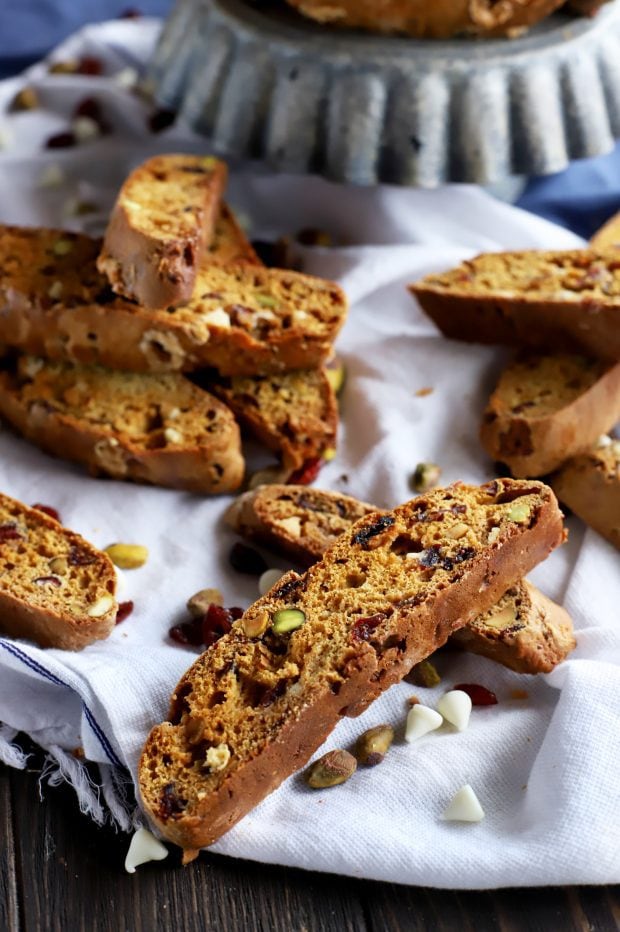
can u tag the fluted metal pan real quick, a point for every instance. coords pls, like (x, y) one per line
(261, 82)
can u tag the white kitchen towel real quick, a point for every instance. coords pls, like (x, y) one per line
(544, 766)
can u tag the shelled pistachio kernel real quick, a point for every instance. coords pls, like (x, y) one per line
(424, 674)
(425, 477)
(336, 374)
(62, 247)
(519, 513)
(373, 745)
(198, 604)
(332, 769)
(127, 556)
(255, 624)
(287, 619)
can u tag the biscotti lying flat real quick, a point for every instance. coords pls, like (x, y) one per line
(608, 237)
(295, 414)
(242, 320)
(525, 631)
(55, 587)
(561, 301)
(257, 704)
(159, 429)
(590, 485)
(546, 409)
(298, 521)
(160, 227)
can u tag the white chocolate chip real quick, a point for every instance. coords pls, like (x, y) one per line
(268, 579)
(421, 720)
(217, 318)
(85, 128)
(174, 413)
(291, 525)
(217, 758)
(142, 848)
(493, 535)
(127, 78)
(173, 435)
(464, 807)
(101, 607)
(455, 706)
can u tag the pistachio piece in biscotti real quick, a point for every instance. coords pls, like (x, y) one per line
(55, 588)
(359, 620)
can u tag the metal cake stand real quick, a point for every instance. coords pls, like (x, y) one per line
(265, 83)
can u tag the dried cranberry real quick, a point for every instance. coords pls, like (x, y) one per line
(161, 120)
(170, 805)
(363, 627)
(124, 611)
(235, 612)
(63, 140)
(79, 557)
(215, 624)
(48, 510)
(188, 633)
(367, 533)
(479, 695)
(306, 473)
(90, 65)
(9, 532)
(245, 559)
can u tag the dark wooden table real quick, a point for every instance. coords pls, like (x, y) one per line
(60, 873)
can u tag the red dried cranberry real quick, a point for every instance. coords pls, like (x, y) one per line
(479, 695)
(306, 473)
(9, 532)
(79, 557)
(235, 612)
(124, 611)
(245, 559)
(48, 510)
(363, 627)
(215, 624)
(188, 633)
(61, 141)
(48, 581)
(161, 120)
(90, 65)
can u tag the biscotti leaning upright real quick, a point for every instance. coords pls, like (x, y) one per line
(55, 587)
(160, 228)
(259, 702)
(561, 301)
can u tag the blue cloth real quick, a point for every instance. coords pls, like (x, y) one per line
(30, 28)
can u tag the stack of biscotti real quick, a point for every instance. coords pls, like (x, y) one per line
(524, 631)
(174, 287)
(317, 647)
(562, 392)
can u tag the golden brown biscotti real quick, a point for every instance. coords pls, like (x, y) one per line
(560, 301)
(55, 587)
(525, 631)
(229, 245)
(242, 320)
(160, 227)
(298, 521)
(546, 409)
(295, 414)
(589, 485)
(435, 19)
(158, 429)
(608, 237)
(256, 705)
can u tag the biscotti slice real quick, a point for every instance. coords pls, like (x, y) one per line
(525, 631)
(295, 414)
(229, 245)
(160, 227)
(589, 485)
(561, 301)
(256, 705)
(546, 409)
(299, 521)
(55, 587)
(608, 237)
(159, 429)
(242, 320)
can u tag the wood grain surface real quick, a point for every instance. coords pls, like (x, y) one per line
(59, 872)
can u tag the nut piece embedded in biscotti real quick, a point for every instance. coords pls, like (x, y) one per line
(332, 769)
(160, 228)
(367, 613)
(55, 588)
